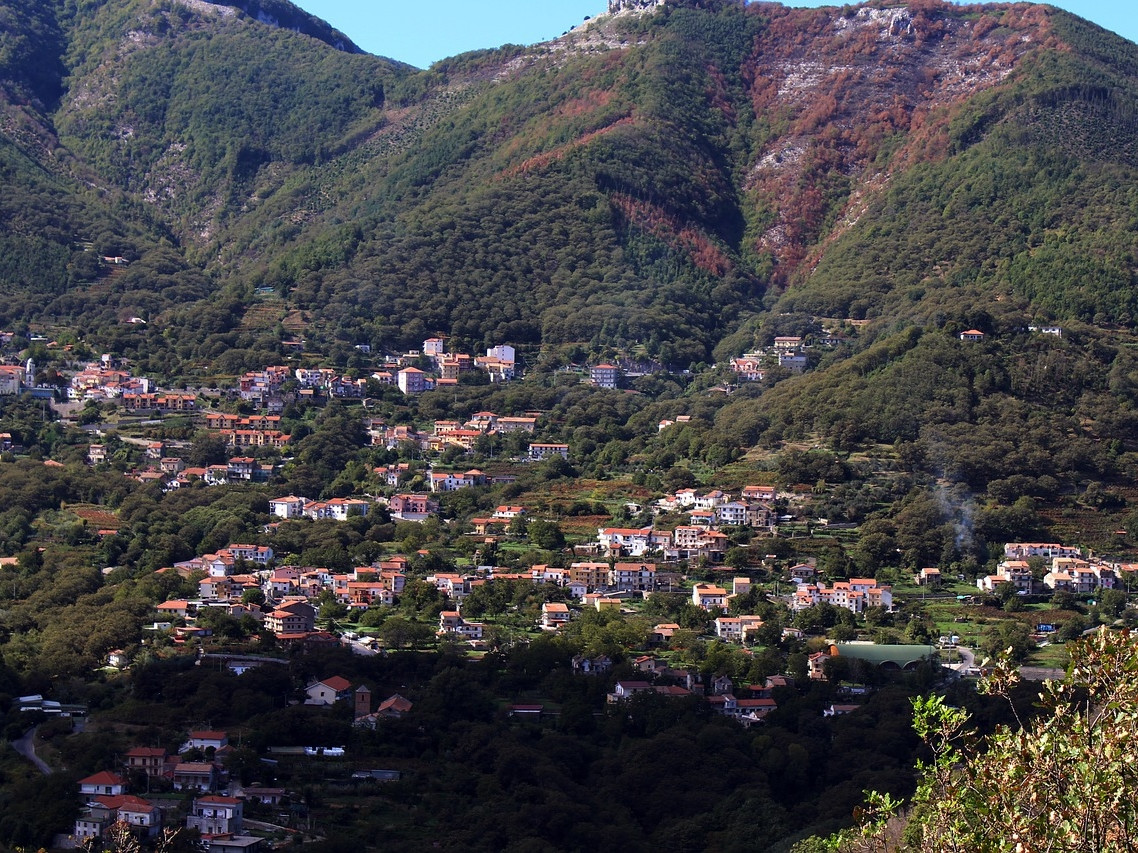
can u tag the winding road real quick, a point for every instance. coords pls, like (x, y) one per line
(26, 746)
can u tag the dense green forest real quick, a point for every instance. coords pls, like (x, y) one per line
(341, 182)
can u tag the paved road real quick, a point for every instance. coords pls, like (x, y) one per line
(360, 649)
(26, 746)
(967, 658)
(1041, 673)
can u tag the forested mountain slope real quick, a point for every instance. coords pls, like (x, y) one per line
(649, 180)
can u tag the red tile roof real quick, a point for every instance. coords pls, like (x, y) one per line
(103, 777)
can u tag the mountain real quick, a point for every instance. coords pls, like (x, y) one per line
(667, 168)
(679, 182)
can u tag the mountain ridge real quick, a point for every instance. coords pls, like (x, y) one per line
(773, 134)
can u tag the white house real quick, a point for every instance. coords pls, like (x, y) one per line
(289, 506)
(328, 691)
(707, 595)
(105, 782)
(214, 815)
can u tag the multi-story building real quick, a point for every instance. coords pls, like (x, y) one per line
(592, 575)
(215, 815)
(146, 759)
(406, 507)
(543, 450)
(630, 542)
(707, 596)
(855, 595)
(411, 380)
(604, 375)
(633, 576)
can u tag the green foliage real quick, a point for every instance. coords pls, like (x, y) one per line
(397, 632)
(31, 48)
(975, 414)
(1063, 780)
(1008, 639)
(951, 234)
(56, 796)
(605, 200)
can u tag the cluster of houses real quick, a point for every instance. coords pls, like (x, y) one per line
(701, 538)
(160, 466)
(855, 595)
(196, 768)
(270, 388)
(199, 768)
(173, 473)
(265, 389)
(329, 691)
(445, 368)
(105, 380)
(788, 353)
(289, 592)
(1069, 570)
(449, 434)
(262, 388)
(600, 586)
(339, 509)
(588, 582)
(747, 705)
(754, 507)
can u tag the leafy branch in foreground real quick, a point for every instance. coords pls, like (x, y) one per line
(1065, 781)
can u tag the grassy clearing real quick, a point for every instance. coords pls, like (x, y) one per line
(1052, 655)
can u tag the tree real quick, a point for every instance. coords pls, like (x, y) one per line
(1007, 637)
(517, 525)
(1063, 781)
(878, 617)
(397, 632)
(1005, 592)
(208, 448)
(1063, 600)
(737, 558)
(1112, 602)
(331, 611)
(253, 596)
(843, 634)
(545, 534)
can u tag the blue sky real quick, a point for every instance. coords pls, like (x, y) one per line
(423, 31)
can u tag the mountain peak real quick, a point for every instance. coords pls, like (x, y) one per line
(282, 14)
(617, 6)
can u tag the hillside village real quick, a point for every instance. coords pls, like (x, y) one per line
(671, 436)
(293, 599)
(645, 591)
